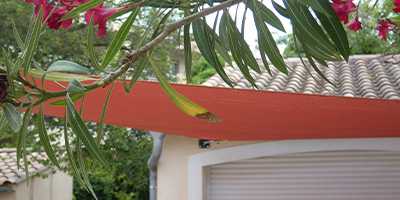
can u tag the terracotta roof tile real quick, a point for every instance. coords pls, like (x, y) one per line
(9, 172)
(366, 76)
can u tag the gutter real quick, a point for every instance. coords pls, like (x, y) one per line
(158, 141)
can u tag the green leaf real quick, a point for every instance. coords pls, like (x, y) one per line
(311, 61)
(280, 9)
(31, 44)
(82, 8)
(204, 41)
(83, 170)
(59, 76)
(141, 64)
(13, 116)
(266, 15)
(267, 44)
(183, 103)
(70, 155)
(160, 26)
(100, 123)
(319, 6)
(218, 43)
(21, 140)
(395, 19)
(74, 98)
(75, 87)
(308, 31)
(90, 45)
(119, 39)
(335, 30)
(68, 67)
(17, 36)
(240, 50)
(44, 137)
(187, 52)
(79, 128)
(3, 122)
(316, 69)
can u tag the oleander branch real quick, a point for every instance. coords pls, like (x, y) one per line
(135, 55)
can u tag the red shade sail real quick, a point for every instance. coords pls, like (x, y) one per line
(245, 114)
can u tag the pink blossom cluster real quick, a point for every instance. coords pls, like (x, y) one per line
(344, 8)
(54, 13)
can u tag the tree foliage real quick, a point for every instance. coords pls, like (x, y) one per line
(366, 40)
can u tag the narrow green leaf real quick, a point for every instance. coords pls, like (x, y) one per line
(187, 52)
(315, 67)
(311, 61)
(74, 98)
(81, 131)
(204, 40)
(119, 39)
(17, 36)
(237, 42)
(32, 43)
(82, 8)
(100, 123)
(44, 137)
(83, 170)
(13, 116)
(75, 87)
(241, 52)
(21, 140)
(3, 122)
(218, 43)
(280, 9)
(318, 6)
(59, 76)
(335, 30)
(160, 26)
(12, 69)
(139, 67)
(68, 67)
(70, 155)
(183, 103)
(266, 15)
(308, 31)
(267, 44)
(90, 46)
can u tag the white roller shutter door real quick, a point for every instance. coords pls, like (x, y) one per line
(344, 175)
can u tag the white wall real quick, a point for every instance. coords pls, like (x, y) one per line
(7, 196)
(57, 186)
(173, 171)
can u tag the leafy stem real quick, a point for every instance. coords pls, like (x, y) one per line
(135, 55)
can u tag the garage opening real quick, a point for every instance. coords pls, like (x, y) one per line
(338, 175)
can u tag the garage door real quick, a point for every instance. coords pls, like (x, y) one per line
(344, 175)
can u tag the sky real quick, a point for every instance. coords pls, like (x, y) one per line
(250, 28)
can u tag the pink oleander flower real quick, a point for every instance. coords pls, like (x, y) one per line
(40, 4)
(54, 20)
(355, 25)
(72, 3)
(343, 8)
(100, 15)
(396, 8)
(384, 27)
(53, 13)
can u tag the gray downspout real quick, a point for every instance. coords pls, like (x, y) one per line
(158, 141)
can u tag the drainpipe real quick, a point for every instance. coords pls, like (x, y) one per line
(158, 140)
